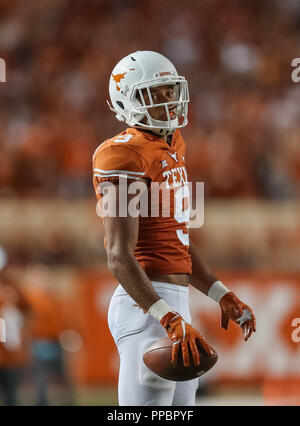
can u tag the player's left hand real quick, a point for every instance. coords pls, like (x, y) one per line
(233, 308)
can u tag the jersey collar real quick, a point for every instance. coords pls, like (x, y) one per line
(151, 136)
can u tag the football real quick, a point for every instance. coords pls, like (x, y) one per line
(158, 358)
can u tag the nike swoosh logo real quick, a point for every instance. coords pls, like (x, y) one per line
(183, 329)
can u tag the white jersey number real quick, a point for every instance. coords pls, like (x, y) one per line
(182, 215)
(124, 138)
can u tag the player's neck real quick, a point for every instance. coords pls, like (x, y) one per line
(166, 138)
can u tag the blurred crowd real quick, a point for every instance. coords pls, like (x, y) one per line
(32, 328)
(243, 132)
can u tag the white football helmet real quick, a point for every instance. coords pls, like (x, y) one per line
(144, 70)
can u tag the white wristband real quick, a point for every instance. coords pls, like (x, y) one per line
(159, 309)
(217, 291)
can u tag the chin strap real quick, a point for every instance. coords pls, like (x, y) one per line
(163, 132)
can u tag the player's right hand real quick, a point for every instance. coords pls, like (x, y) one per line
(184, 337)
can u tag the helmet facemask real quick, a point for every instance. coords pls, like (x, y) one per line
(175, 110)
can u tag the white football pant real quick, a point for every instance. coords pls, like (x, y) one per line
(133, 332)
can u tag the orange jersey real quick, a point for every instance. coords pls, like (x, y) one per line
(163, 244)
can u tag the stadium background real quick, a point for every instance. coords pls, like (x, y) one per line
(243, 143)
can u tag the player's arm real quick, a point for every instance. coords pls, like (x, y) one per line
(121, 237)
(201, 278)
(231, 306)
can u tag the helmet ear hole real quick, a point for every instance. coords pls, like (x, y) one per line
(121, 105)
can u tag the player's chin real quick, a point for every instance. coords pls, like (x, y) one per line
(162, 118)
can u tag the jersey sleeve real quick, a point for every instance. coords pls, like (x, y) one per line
(111, 163)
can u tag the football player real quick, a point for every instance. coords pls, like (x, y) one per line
(150, 254)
